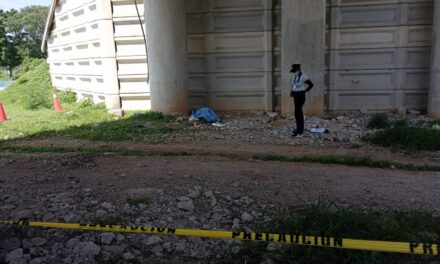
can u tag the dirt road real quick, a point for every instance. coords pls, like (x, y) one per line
(224, 185)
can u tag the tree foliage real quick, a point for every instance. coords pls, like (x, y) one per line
(21, 34)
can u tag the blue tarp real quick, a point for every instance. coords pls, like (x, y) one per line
(205, 113)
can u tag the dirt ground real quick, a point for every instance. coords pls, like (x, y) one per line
(290, 184)
(222, 181)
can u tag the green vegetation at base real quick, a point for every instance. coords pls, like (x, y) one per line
(28, 104)
(327, 219)
(87, 122)
(408, 138)
(379, 121)
(402, 136)
(349, 161)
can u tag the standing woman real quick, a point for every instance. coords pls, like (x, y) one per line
(301, 84)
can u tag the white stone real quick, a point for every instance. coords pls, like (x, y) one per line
(72, 243)
(187, 206)
(129, 256)
(271, 247)
(246, 217)
(157, 251)
(90, 249)
(38, 241)
(236, 224)
(107, 238)
(153, 240)
(14, 255)
(235, 250)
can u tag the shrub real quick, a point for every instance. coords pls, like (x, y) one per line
(27, 65)
(67, 96)
(86, 102)
(401, 123)
(99, 106)
(379, 121)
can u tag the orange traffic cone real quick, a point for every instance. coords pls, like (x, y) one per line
(3, 117)
(57, 104)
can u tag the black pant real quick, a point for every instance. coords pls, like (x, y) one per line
(299, 98)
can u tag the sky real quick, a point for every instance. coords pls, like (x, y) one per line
(17, 4)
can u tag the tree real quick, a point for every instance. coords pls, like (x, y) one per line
(21, 35)
(8, 45)
(28, 25)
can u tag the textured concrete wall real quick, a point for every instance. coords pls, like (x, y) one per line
(231, 53)
(303, 39)
(434, 93)
(81, 51)
(96, 49)
(378, 54)
(134, 91)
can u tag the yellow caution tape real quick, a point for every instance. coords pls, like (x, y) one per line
(419, 248)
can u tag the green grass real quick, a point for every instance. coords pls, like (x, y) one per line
(329, 220)
(110, 220)
(28, 104)
(349, 161)
(407, 138)
(116, 259)
(86, 122)
(87, 151)
(135, 202)
(32, 90)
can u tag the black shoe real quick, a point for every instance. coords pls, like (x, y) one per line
(297, 134)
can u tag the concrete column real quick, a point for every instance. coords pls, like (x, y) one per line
(303, 41)
(108, 57)
(434, 92)
(166, 40)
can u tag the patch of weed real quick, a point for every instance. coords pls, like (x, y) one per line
(135, 202)
(349, 161)
(407, 138)
(115, 259)
(109, 220)
(379, 121)
(87, 151)
(327, 219)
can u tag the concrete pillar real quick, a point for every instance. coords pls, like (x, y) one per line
(434, 91)
(166, 40)
(108, 57)
(303, 41)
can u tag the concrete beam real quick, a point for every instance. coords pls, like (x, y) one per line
(166, 40)
(434, 91)
(303, 40)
